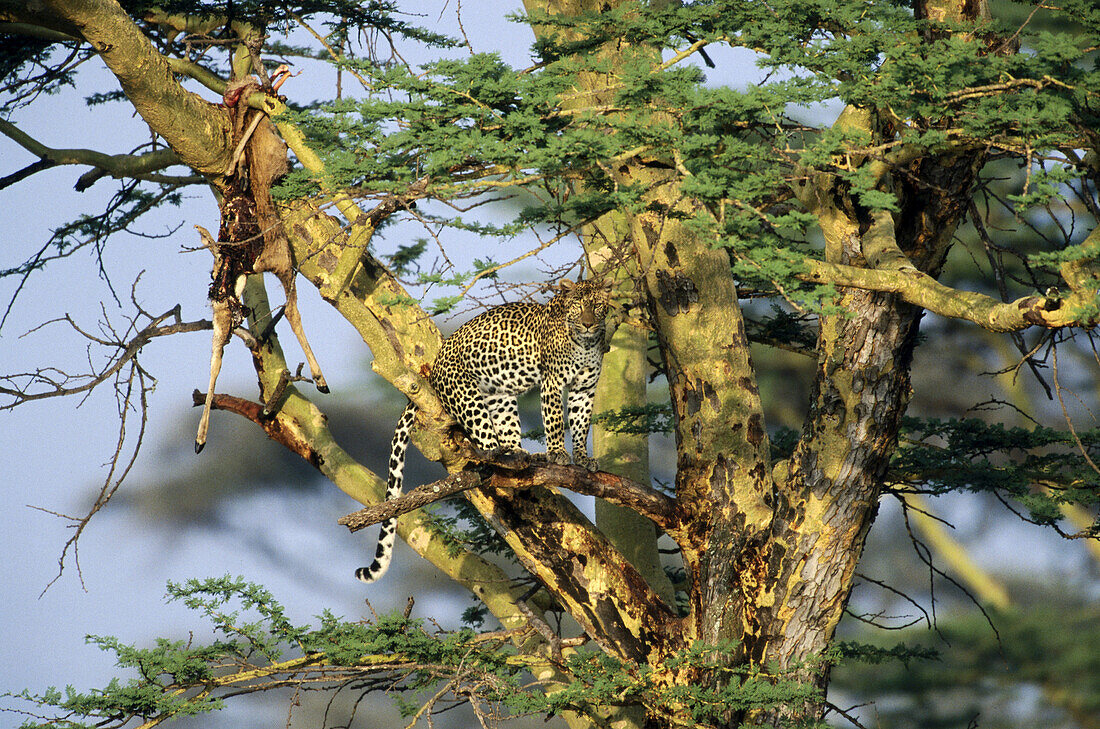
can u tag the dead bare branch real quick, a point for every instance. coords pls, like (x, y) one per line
(137, 384)
(55, 383)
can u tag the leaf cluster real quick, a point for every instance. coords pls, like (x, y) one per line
(461, 527)
(1051, 648)
(475, 127)
(1038, 467)
(259, 649)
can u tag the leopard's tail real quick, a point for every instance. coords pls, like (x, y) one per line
(386, 538)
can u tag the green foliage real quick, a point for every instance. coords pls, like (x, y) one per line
(473, 126)
(1050, 649)
(383, 15)
(1046, 185)
(402, 259)
(649, 418)
(460, 527)
(1038, 467)
(1069, 253)
(260, 650)
(850, 650)
(29, 66)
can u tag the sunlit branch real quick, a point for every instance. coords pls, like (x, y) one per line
(36, 31)
(198, 72)
(922, 290)
(35, 20)
(1012, 85)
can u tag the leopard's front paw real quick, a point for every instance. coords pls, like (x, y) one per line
(558, 456)
(585, 461)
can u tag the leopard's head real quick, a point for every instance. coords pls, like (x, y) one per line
(586, 304)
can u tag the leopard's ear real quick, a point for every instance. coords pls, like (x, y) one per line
(565, 284)
(608, 284)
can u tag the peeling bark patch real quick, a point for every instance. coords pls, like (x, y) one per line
(1031, 316)
(372, 269)
(391, 333)
(326, 260)
(759, 475)
(755, 433)
(711, 396)
(698, 392)
(752, 576)
(670, 254)
(676, 292)
(301, 232)
(693, 401)
(723, 472)
(604, 609)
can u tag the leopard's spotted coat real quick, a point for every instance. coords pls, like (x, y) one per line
(495, 357)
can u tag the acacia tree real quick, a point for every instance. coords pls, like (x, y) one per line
(724, 214)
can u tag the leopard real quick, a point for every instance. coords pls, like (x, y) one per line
(502, 353)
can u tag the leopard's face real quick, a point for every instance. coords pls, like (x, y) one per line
(588, 305)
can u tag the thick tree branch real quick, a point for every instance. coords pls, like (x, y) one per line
(200, 73)
(289, 438)
(196, 129)
(419, 497)
(33, 19)
(922, 290)
(136, 166)
(33, 31)
(21, 174)
(622, 491)
(116, 165)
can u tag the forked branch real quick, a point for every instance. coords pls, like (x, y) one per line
(51, 383)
